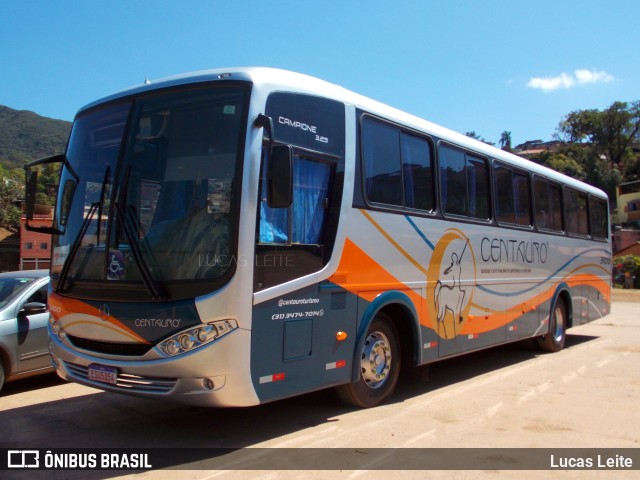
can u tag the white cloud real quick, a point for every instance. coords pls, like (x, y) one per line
(579, 77)
(551, 83)
(592, 76)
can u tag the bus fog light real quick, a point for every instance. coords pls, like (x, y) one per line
(196, 337)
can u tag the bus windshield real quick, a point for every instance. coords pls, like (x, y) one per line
(149, 194)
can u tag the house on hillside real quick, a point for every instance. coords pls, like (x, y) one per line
(532, 148)
(628, 204)
(35, 248)
(9, 250)
(626, 235)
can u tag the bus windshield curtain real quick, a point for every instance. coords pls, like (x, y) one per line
(311, 183)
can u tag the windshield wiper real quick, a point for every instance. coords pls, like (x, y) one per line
(83, 228)
(152, 286)
(76, 246)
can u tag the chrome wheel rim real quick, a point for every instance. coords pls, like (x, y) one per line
(558, 331)
(376, 360)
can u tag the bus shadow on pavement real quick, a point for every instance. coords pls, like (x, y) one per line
(454, 370)
(207, 437)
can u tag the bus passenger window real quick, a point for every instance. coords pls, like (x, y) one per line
(504, 194)
(576, 213)
(512, 190)
(555, 199)
(397, 167)
(464, 181)
(599, 218)
(543, 209)
(453, 181)
(382, 166)
(417, 173)
(548, 205)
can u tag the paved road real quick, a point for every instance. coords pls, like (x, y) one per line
(586, 396)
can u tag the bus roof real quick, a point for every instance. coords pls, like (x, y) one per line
(277, 79)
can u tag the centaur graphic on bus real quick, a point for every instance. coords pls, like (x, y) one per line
(449, 296)
(234, 237)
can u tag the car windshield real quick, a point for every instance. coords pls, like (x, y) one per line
(149, 193)
(11, 287)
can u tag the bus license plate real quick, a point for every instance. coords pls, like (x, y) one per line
(103, 374)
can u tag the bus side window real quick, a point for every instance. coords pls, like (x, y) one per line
(464, 181)
(512, 189)
(548, 205)
(542, 205)
(576, 212)
(598, 218)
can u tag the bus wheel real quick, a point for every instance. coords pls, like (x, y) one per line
(554, 340)
(379, 366)
(2, 374)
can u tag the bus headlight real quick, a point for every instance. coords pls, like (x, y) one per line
(57, 330)
(195, 337)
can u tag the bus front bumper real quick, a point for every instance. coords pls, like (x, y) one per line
(217, 374)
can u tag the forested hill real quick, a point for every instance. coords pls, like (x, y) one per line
(26, 136)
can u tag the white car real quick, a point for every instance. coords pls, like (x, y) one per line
(23, 324)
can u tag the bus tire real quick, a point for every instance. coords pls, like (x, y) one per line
(2, 374)
(379, 366)
(554, 340)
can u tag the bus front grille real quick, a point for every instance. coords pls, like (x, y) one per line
(110, 348)
(127, 381)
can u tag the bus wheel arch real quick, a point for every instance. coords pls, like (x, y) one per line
(388, 329)
(560, 319)
(407, 326)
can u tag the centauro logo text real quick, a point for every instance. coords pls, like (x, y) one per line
(158, 322)
(500, 250)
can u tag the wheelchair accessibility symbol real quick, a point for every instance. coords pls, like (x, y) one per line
(116, 265)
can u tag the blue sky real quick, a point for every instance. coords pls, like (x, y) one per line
(485, 66)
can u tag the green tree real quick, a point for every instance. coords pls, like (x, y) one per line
(475, 136)
(505, 141)
(601, 141)
(11, 188)
(563, 163)
(611, 132)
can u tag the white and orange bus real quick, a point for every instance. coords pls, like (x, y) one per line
(234, 237)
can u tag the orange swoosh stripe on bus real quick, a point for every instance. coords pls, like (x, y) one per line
(494, 319)
(107, 326)
(362, 275)
(357, 271)
(65, 306)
